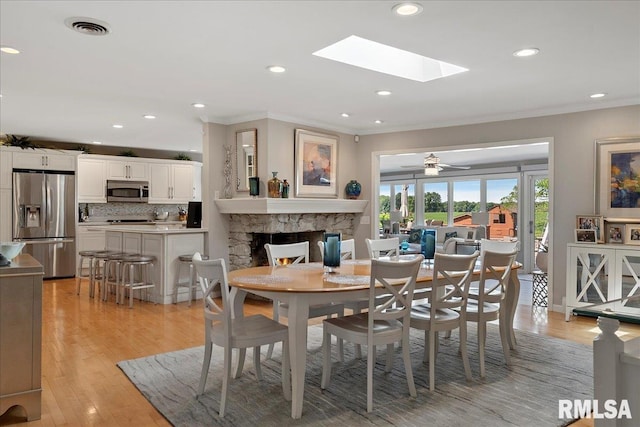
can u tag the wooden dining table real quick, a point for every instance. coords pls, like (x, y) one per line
(302, 285)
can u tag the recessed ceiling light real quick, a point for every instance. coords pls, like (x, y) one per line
(198, 105)
(382, 58)
(149, 116)
(345, 115)
(118, 126)
(407, 9)
(598, 95)
(530, 51)
(378, 122)
(9, 49)
(96, 142)
(383, 92)
(193, 150)
(276, 68)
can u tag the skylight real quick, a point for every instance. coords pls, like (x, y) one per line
(385, 59)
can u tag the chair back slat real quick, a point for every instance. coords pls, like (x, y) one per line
(298, 252)
(398, 279)
(451, 280)
(212, 275)
(383, 247)
(494, 279)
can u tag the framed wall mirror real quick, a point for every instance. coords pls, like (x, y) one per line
(246, 157)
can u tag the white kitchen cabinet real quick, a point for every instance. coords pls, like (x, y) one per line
(44, 159)
(171, 183)
(90, 239)
(5, 215)
(6, 168)
(92, 180)
(597, 274)
(197, 182)
(128, 170)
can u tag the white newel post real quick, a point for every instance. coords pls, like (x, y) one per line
(607, 348)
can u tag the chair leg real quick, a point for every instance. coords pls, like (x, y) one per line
(276, 317)
(427, 346)
(371, 358)
(482, 338)
(406, 356)
(286, 372)
(340, 343)
(463, 350)
(505, 343)
(389, 365)
(225, 380)
(432, 359)
(242, 353)
(256, 362)
(358, 346)
(205, 367)
(326, 359)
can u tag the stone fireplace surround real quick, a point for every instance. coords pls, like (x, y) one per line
(275, 216)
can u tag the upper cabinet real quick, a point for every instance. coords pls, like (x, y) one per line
(128, 170)
(44, 159)
(92, 180)
(171, 183)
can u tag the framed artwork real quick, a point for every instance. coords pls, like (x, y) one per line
(617, 166)
(615, 233)
(585, 236)
(632, 234)
(316, 164)
(592, 222)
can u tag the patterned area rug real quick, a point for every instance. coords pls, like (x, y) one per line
(543, 371)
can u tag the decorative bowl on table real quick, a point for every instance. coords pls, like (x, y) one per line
(10, 250)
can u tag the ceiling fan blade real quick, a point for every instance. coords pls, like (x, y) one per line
(444, 165)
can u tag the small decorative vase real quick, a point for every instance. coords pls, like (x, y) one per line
(254, 186)
(275, 186)
(285, 189)
(353, 189)
(331, 256)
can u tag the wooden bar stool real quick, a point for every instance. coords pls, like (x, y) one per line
(191, 284)
(135, 276)
(85, 256)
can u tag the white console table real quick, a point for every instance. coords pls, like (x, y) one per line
(604, 275)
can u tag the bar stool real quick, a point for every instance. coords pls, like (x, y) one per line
(85, 256)
(191, 285)
(97, 272)
(112, 273)
(135, 276)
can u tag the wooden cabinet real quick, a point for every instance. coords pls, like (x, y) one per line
(21, 336)
(44, 159)
(128, 170)
(171, 183)
(597, 274)
(92, 180)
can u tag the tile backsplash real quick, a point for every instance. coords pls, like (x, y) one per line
(104, 211)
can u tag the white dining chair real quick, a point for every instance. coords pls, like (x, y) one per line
(223, 330)
(298, 253)
(446, 308)
(347, 249)
(383, 247)
(490, 302)
(382, 324)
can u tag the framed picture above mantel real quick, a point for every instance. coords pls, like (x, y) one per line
(316, 164)
(617, 189)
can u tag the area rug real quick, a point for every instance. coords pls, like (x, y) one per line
(543, 371)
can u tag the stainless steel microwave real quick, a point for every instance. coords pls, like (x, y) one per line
(128, 191)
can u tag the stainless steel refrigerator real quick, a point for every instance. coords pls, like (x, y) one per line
(44, 218)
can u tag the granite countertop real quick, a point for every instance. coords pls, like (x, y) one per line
(153, 229)
(22, 264)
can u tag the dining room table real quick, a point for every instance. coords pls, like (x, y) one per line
(302, 285)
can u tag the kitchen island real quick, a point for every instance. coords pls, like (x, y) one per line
(166, 244)
(21, 335)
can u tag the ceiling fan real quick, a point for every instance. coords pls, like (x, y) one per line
(432, 165)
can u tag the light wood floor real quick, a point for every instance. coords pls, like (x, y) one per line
(83, 339)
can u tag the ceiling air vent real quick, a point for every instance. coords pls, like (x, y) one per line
(88, 26)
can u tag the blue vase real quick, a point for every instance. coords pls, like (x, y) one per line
(331, 256)
(353, 189)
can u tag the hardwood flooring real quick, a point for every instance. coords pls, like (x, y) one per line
(83, 339)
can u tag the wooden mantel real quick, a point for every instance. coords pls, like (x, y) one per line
(268, 206)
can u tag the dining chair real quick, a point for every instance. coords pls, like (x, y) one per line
(347, 249)
(383, 247)
(298, 253)
(382, 324)
(227, 332)
(490, 302)
(446, 307)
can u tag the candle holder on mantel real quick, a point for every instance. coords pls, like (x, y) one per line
(331, 258)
